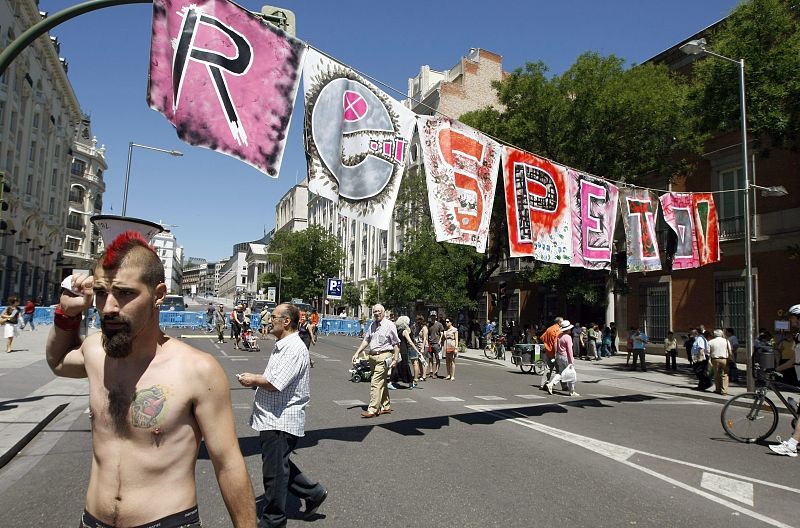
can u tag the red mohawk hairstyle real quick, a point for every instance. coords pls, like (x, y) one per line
(130, 248)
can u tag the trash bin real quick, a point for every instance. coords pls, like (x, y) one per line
(526, 352)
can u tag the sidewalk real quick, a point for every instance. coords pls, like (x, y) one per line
(30, 394)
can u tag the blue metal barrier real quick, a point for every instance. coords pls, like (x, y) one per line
(338, 326)
(43, 315)
(181, 319)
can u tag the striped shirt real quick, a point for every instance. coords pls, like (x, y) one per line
(287, 371)
(382, 337)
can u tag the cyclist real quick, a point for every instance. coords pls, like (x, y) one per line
(789, 447)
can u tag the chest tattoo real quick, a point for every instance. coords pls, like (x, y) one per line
(149, 407)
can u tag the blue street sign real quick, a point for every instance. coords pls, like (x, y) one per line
(333, 290)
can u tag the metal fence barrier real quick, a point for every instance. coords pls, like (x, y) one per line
(338, 326)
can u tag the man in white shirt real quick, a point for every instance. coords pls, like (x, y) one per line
(720, 350)
(700, 359)
(279, 416)
(381, 345)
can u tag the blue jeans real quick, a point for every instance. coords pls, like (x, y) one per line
(27, 319)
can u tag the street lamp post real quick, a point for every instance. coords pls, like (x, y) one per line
(128, 169)
(280, 272)
(696, 47)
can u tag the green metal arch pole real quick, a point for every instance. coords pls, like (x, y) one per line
(40, 28)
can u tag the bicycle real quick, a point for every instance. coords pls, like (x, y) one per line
(752, 417)
(496, 349)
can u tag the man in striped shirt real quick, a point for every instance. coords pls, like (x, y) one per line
(383, 352)
(279, 415)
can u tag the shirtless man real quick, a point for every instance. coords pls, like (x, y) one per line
(151, 399)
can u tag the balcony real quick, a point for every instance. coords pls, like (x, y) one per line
(731, 228)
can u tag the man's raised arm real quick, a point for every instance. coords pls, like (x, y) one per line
(64, 353)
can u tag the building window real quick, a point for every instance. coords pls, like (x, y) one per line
(730, 306)
(36, 119)
(32, 153)
(76, 194)
(78, 167)
(52, 208)
(654, 308)
(29, 184)
(72, 244)
(730, 205)
(74, 221)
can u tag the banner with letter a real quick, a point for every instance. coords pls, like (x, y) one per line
(593, 202)
(678, 209)
(706, 228)
(639, 208)
(225, 78)
(537, 207)
(357, 138)
(461, 173)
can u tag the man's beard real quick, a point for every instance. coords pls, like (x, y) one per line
(118, 341)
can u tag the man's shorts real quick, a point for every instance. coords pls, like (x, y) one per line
(186, 519)
(436, 350)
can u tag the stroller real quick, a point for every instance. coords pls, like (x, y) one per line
(250, 341)
(360, 371)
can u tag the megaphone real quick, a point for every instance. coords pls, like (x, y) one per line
(111, 226)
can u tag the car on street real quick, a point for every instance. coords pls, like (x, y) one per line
(173, 303)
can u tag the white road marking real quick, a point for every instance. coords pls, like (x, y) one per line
(529, 396)
(731, 488)
(623, 454)
(318, 355)
(404, 400)
(241, 406)
(673, 402)
(348, 402)
(239, 359)
(447, 399)
(491, 398)
(328, 359)
(598, 395)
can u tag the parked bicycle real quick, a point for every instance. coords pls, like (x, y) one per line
(752, 416)
(496, 348)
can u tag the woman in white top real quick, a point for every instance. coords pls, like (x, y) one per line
(450, 348)
(10, 318)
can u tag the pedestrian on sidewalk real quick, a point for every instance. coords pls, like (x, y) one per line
(237, 325)
(639, 340)
(210, 317)
(10, 321)
(402, 371)
(720, 351)
(279, 416)
(435, 331)
(700, 359)
(577, 340)
(733, 370)
(564, 357)
(450, 349)
(421, 343)
(219, 323)
(27, 315)
(671, 351)
(550, 341)
(152, 399)
(381, 345)
(592, 337)
(613, 327)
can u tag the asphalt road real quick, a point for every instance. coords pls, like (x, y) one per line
(489, 449)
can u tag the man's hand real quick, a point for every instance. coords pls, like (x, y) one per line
(80, 298)
(246, 379)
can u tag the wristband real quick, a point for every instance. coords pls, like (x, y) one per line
(65, 322)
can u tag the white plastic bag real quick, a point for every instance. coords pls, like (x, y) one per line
(569, 375)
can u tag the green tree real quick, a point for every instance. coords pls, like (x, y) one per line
(766, 34)
(267, 279)
(309, 257)
(351, 295)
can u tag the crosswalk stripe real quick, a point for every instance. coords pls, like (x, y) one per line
(447, 399)
(404, 400)
(239, 359)
(491, 398)
(348, 402)
(529, 396)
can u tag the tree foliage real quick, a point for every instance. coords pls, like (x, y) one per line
(267, 279)
(766, 34)
(309, 257)
(351, 295)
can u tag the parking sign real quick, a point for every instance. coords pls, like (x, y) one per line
(334, 289)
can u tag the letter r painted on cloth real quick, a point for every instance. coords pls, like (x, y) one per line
(464, 154)
(185, 51)
(592, 193)
(647, 225)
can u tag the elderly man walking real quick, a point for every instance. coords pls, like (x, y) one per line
(381, 346)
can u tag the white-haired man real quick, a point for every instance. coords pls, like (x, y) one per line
(720, 351)
(789, 447)
(381, 346)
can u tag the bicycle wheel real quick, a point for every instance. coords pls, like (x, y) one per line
(749, 417)
(489, 351)
(527, 367)
(539, 368)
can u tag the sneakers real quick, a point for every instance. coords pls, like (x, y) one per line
(313, 505)
(573, 393)
(391, 386)
(784, 449)
(549, 387)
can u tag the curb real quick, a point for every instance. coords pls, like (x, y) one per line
(6, 457)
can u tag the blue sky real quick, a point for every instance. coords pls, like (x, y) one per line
(215, 201)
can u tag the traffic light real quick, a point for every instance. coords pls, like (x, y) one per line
(503, 295)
